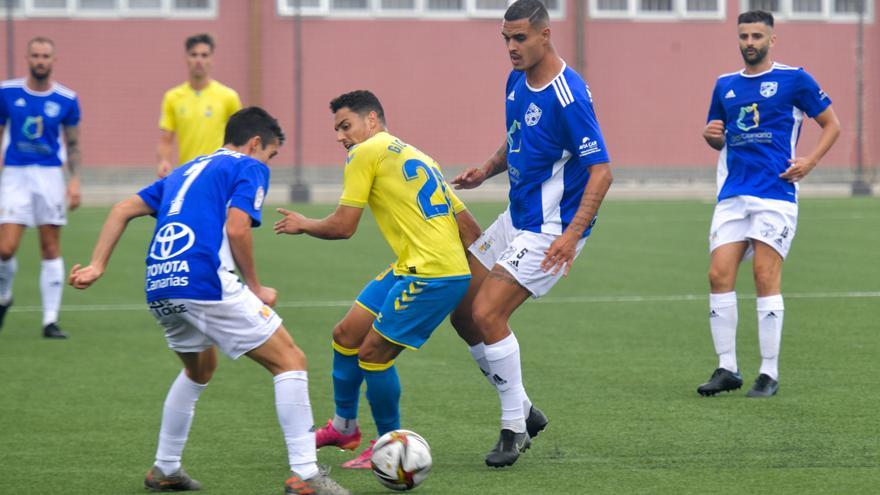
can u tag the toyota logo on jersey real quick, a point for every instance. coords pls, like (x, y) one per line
(172, 240)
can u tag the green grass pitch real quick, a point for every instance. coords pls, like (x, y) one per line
(613, 356)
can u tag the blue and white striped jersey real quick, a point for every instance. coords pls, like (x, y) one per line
(552, 140)
(33, 123)
(189, 247)
(762, 114)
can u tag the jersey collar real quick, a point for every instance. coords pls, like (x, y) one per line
(743, 72)
(542, 88)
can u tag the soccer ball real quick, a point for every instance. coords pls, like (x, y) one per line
(401, 459)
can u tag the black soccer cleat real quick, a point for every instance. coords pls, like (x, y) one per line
(510, 445)
(764, 387)
(157, 481)
(536, 422)
(722, 380)
(3, 310)
(52, 331)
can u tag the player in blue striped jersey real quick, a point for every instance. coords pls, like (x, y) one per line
(39, 120)
(754, 121)
(557, 163)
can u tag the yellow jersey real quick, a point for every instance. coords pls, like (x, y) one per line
(198, 117)
(414, 206)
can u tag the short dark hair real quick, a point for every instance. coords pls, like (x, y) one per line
(41, 39)
(198, 39)
(360, 101)
(533, 10)
(249, 122)
(755, 16)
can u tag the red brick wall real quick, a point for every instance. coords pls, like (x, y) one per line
(441, 81)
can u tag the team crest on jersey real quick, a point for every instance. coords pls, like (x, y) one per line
(172, 240)
(33, 127)
(208, 111)
(51, 109)
(769, 88)
(749, 118)
(533, 115)
(514, 137)
(258, 199)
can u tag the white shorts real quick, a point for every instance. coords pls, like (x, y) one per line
(33, 195)
(520, 252)
(747, 218)
(237, 324)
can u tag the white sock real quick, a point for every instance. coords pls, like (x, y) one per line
(346, 426)
(478, 352)
(177, 416)
(295, 416)
(722, 321)
(8, 269)
(771, 311)
(51, 286)
(504, 365)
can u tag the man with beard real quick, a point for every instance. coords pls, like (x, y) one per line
(34, 111)
(195, 111)
(754, 120)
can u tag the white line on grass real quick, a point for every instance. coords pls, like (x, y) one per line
(546, 300)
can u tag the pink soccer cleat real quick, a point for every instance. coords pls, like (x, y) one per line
(362, 461)
(328, 435)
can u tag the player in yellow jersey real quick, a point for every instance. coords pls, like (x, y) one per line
(426, 226)
(195, 111)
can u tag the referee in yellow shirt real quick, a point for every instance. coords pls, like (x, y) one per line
(196, 111)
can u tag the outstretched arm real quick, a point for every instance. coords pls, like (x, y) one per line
(801, 166)
(473, 177)
(562, 250)
(81, 277)
(341, 224)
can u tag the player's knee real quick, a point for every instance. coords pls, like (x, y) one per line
(201, 374)
(766, 280)
(487, 317)
(720, 276)
(463, 322)
(342, 335)
(6, 251)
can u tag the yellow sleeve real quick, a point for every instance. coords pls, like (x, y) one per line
(458, 205)
(360, 170)
(166, 121)
(233, 103)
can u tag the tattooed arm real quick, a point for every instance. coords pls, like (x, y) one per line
(71, 139)
(562, 250)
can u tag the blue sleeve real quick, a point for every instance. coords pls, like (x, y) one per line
(72, 117)
(809, 96)
(152, 194)
(716, 108)
(4, 111)
(249, 190)
(581, 134)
